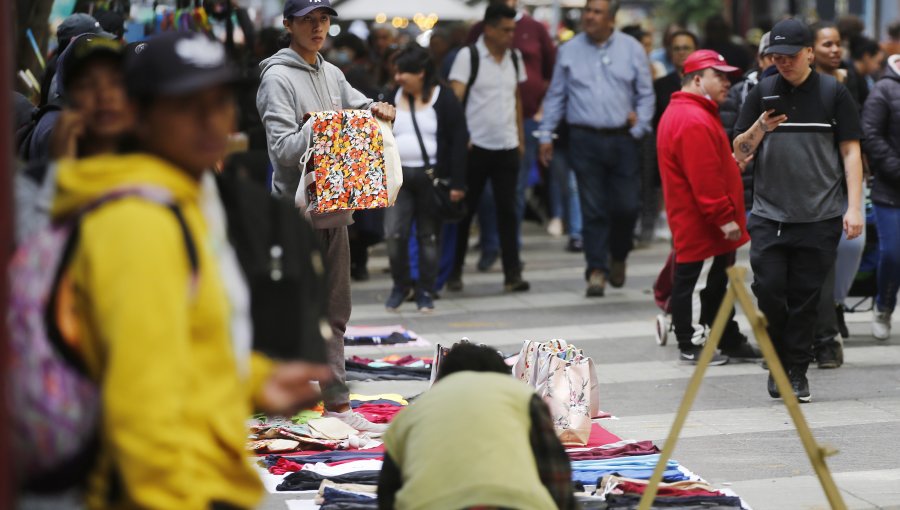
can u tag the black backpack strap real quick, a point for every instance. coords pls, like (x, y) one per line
(767, 86)
(515, 59)
(828, 88)
(474, 61)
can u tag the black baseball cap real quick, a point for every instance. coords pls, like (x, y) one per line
(77, 24)
(84, 49)
(175, 63)
(789, 37)
(303, 7)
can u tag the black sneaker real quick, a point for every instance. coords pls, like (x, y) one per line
(424, 302)
(617, 273)
(516, 284)
(575, 246)
(691, 355)
(487, 261)
(454, 284)
(397, 297)
(829, 356)
(743, 351)
(772, 388)
(841, 323)
(800, 385)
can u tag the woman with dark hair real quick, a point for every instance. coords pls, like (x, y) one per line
(431, 135)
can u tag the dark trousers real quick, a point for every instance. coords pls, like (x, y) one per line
(681, 302)
(502, 169)
(609, 186)
(790, 263)
(826, 324)
(414, 202)
(335, 248)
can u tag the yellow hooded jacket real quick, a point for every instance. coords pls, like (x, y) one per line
(173, 403)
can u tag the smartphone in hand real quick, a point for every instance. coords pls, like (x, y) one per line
(775, 103)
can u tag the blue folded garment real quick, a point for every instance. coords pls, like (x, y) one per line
(591, 477)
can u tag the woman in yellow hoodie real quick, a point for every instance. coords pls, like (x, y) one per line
(154, 336)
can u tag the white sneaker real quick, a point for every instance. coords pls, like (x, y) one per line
(881, 325)
(555, 227)
(357, 421)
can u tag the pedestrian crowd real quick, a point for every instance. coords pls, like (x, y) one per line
(792, 146)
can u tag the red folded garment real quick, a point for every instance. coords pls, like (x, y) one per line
(378, 413)
(639, 488)
(285, 466)
(627, 450)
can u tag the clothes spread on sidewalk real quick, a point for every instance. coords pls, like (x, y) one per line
(388, 368)
(382, 336)
(305, 480)
(602, 452)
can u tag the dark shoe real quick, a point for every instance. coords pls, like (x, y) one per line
(829, 356)
(516, 284)
(575, 246)
(841, 323)
(454, 284)
(487, 261)
(773, 389)
(800, 384)
(424, 302)
(691, 356)
(596, 284)
(397, 297)
(743, 351)
(617, 273)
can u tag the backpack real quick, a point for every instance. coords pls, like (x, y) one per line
(474, 62)
(25, 134)
(56, 405)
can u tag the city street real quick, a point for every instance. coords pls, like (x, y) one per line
(736, 436)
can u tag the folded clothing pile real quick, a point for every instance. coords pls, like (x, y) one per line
(279, 435)
(379, 335)
(388, 368)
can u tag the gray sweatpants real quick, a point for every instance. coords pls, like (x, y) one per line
(335, 245)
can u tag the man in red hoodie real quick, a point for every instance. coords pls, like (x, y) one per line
(704, 203)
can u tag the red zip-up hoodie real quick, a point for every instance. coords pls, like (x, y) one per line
(701, 181)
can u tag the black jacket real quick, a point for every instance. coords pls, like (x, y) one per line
(452, 137)
(881, 125)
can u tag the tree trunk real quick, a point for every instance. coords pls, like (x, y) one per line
(32, 14)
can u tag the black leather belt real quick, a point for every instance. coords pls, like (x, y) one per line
(624, 130)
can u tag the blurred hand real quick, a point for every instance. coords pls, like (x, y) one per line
(853, 223)
(632, 119)
(457, 195)
(290, 387)
(545, 153)
(384, 111)
(769, 123)
(69, 128)
(742, 163)
(731, 230)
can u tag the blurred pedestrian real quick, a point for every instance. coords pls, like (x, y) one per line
(892, 45)
(881, 124)
(507, 454)
(296, 81)
(800, 201)
(867, 60)
(431, 135)
(717, 37)
(602, 88)
(704, 202)
(494, 117)
(157, 257)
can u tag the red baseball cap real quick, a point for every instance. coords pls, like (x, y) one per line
(705, 59)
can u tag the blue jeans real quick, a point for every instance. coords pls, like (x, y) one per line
(888, 221)
(609, 187)
(564, 193)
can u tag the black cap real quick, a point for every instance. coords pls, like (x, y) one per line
(788, 37)
(175, 63)
(77, 24)
(304, 7)
(81, 50)
(112, 22)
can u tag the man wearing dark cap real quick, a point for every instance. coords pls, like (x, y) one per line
(153, 306)
(704, 203)
(807, 188)
(294, 82)
(71, 27)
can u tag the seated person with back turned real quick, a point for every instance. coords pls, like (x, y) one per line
(463, 443)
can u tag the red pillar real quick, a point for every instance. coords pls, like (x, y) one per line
(6, 235)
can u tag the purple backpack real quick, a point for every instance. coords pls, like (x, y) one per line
(54, 404)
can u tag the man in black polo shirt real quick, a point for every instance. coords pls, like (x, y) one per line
(805, 171)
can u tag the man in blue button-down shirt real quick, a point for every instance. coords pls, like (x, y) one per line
(602, 87)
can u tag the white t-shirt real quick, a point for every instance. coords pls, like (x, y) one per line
(491, 108)
(405, 134)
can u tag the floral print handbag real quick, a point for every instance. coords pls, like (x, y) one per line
(346, 168)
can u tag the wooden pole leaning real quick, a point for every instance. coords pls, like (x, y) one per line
(737, 293)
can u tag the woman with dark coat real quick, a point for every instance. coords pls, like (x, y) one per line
(432, 140)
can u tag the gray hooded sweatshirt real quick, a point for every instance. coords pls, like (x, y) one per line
(289, 89)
